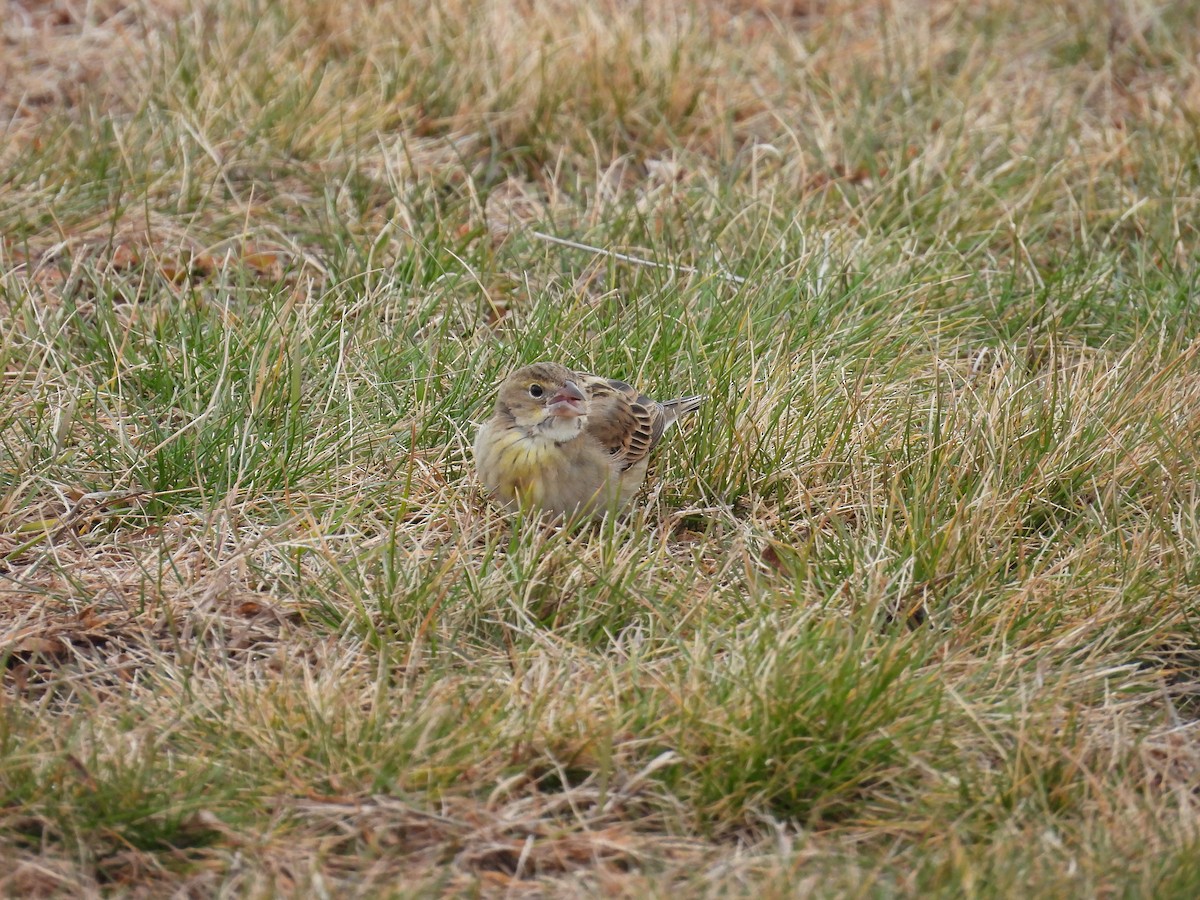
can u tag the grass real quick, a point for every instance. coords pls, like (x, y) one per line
(908, 608)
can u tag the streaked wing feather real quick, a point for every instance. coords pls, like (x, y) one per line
(627, 423)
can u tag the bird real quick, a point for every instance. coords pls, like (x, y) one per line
(569, 443)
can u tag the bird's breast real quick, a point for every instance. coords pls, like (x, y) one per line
(524, 464)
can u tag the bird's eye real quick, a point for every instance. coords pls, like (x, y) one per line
(536, 391)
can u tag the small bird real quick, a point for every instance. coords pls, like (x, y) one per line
(571, 443)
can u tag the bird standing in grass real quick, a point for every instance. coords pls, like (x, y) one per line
(571, 443)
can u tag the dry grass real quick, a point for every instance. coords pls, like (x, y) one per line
(909, 609)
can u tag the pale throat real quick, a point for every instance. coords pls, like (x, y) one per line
(556, 429)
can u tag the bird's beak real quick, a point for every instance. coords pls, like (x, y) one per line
(569, 403)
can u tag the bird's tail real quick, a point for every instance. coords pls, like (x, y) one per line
(674, 409)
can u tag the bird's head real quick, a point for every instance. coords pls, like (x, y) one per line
(545, 397)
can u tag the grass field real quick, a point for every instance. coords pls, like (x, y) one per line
(909, 608)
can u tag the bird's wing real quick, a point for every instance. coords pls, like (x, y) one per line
(625, 422)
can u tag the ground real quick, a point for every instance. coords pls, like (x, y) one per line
(907, 608)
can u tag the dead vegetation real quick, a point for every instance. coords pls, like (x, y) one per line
(911, 607)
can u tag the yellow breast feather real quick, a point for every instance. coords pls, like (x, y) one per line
(522, 465)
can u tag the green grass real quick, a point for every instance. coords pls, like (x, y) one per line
(907, 608)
